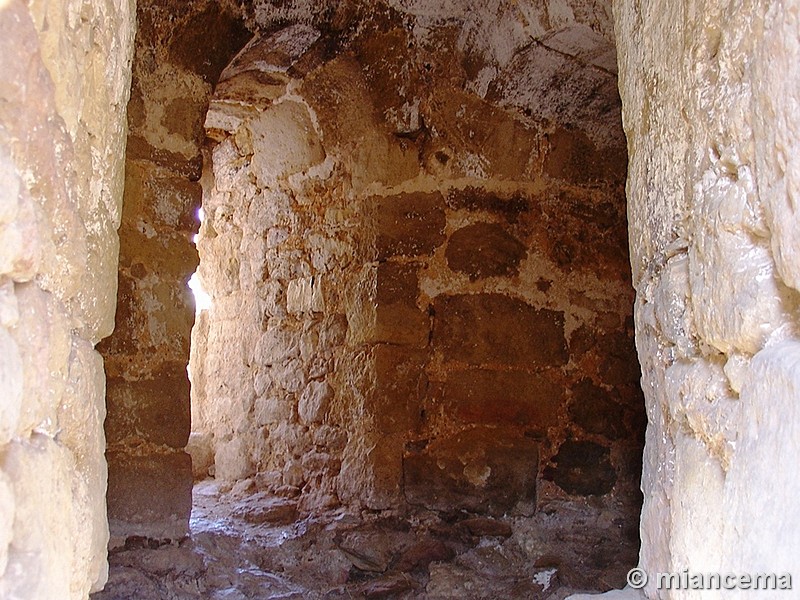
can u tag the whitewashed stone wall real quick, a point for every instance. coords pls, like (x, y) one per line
(65, 76)
(710, 94)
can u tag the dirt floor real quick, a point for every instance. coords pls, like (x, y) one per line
(247, 545)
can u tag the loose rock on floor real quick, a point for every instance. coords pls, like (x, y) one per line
(245, 545)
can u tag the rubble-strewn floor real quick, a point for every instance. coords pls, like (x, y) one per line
(246, 545)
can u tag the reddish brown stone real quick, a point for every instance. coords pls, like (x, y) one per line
(220, 33)
(582, 468)
(159, 199)
(595, 412)
(389, 586)
(620, 364)
(582, 340)
(384, 57)
(185, 118)
(261, 508)
(399, 388)
(129, 320)
(491, 328)
(423, 553)
(477, 199)
(156, 410)
(486, 527)
(150, 495)
(574, 158)
(410, 224)
(368, 550)
(399, 321)
(190, 167)
(489, 397)
(482, 469)
(484, 250)
(508, 147)
(252, 87)
(338, 94)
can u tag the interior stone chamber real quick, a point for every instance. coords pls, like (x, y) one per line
(465, 259)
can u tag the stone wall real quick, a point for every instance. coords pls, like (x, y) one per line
(710, 102)
(148, 388)
(417, 257)
(65, 75)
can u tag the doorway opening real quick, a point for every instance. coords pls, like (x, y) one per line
(418, 357)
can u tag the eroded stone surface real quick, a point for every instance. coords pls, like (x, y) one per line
(410, 225)
(480, 470)
(715, 299)
(66, 74)
(582, 468)
(398, 319)
(134, 482)
(495, 397)
(484, 250)
(483, 329)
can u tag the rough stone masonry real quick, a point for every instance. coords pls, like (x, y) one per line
(419, 278)
(65, 83)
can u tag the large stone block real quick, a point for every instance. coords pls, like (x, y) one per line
(736, 296)
(478, 199)
(384, 58)
(487, 141)
(62, 121)
(488, 397)
(409, 224)
(482, 469)
(284, 142)
(160, 198)
(574, 158)
(484, 250)
(595, 411)
(233, 459)
(761, 486)
(582, 468)
(7, 506)
(305, 295)
(382, 487)
(398, 319)
(43, 338)
(157, 410)
(149, 495)
(400, 385)
(46, 509)
(483, 329)
(314, 402)
(11, 374)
